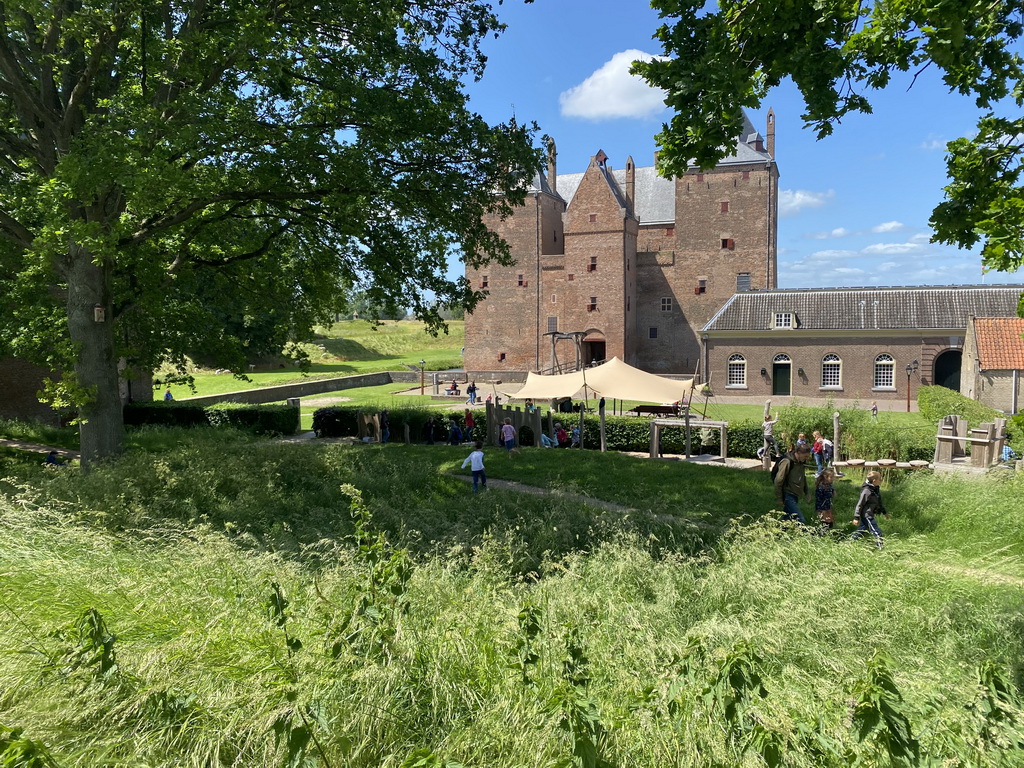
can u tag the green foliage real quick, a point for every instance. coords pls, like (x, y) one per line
(257, 419)
(222, 203)
(720, 61)
(18, 751)
(937, 402)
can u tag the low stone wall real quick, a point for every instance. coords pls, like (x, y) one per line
(288, 391)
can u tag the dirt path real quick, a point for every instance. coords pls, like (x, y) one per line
(22, 445)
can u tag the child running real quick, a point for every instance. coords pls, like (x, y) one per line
(823, 495)
(868, 505)
(476, 463)
(508, 437)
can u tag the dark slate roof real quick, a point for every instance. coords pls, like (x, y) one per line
(854, 309)
(655, 201)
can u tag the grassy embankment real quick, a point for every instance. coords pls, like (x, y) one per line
(235, 624)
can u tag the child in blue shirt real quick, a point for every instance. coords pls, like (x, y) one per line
(476, 463)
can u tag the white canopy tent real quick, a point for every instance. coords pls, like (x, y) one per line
(611, 379)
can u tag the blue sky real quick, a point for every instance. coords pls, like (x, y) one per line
(854, 207)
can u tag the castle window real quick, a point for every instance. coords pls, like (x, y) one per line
(483, 281)
(501, 357)
(831, 372)
(700, 177)
(570, 276)
(554, 298)
(736, 374)
(592, 266)
(593, 218)
(725, 206)
(670, 231)
(552, 324)
(702, 287)
(522, 282)
(742, 282)
(884, 368)
(783, 320)
(666, 305)
(652, 333)
(593, 304)
(728, 243)
(746, 175)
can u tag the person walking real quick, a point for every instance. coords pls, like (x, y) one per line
(508, 437)
(791, 483)
(824, 494)
(476, 464)
(469, 424)
(471, 391)
(768, 429)
(874, 410)
(869, 505)
(818, 451)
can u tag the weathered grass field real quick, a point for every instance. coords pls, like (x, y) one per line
(214, 601)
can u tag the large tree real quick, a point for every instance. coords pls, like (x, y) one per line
(722, 59)
(164, 163)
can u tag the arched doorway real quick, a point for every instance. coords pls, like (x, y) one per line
(782, 375)
(947, 369)
(594, 349)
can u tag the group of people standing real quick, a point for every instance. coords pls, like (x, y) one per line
(455, 432)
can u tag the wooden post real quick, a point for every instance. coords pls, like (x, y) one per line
(723, 441)
(944, 448)
(655, 435)
(686, 417)
(601, 415)
(835, 435)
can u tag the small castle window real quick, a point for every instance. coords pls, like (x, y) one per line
(728, 243)
(522, 282)
(670, 231)
(552, 324)
(592, 306)
(570, 276)
(593, 218)
(725, 206)
(666, 305)
(652, 333)
(783, 320)
(483, 281)
(592, 266)
(736, 374)
(702, 287)
(746, 175)
(501, 357)
(700, 177)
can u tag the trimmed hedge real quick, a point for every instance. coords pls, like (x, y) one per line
(935, 402)
(341, 421)
(258, 419)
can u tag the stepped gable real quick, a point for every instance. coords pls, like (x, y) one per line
(852, 309)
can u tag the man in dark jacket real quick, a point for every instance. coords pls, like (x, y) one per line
(791, 482)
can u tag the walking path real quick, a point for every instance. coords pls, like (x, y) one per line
(22, 445)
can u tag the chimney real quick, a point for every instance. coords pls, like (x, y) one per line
(630, 183)
(770, 133)
(552, 166)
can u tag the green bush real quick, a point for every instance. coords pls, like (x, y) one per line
(341, 421)
(260, 420)
(257, 419)
(936, 402)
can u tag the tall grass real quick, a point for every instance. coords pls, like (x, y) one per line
(218, 605)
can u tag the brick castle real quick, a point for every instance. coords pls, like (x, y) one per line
(631, 263)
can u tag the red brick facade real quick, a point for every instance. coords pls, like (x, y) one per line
(639, 279)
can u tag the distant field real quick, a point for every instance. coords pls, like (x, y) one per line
(345, 349)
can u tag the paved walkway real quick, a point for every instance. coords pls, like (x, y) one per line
(22, 445)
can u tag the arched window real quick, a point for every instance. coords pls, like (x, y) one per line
(884, 367)
(831, 372)
(737, 372)
(782, 358)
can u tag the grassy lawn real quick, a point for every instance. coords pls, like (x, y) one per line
(345, 349)
(200, 602)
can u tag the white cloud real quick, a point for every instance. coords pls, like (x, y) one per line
(932, 142)
(920, 237)
(611, 92)
(837, 232)
(894, 248)
(889, 226)
(792, 201)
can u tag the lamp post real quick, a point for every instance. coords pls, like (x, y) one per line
(911, 368)
(423, 368)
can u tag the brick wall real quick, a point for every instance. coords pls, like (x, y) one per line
(20, 382)
(857, 365)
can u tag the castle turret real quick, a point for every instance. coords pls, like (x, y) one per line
(770, 133)
(552, 166)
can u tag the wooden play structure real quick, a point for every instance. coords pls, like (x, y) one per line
(986, 443)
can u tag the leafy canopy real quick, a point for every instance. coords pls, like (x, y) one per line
(234, 165)
(721, 61)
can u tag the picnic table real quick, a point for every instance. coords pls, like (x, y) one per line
(656, 410)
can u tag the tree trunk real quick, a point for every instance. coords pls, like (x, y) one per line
(102, 419)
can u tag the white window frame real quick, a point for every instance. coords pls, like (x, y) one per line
(666, 304)
(831, 363)
(783, 320)
(885, 369)
(736, 372)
